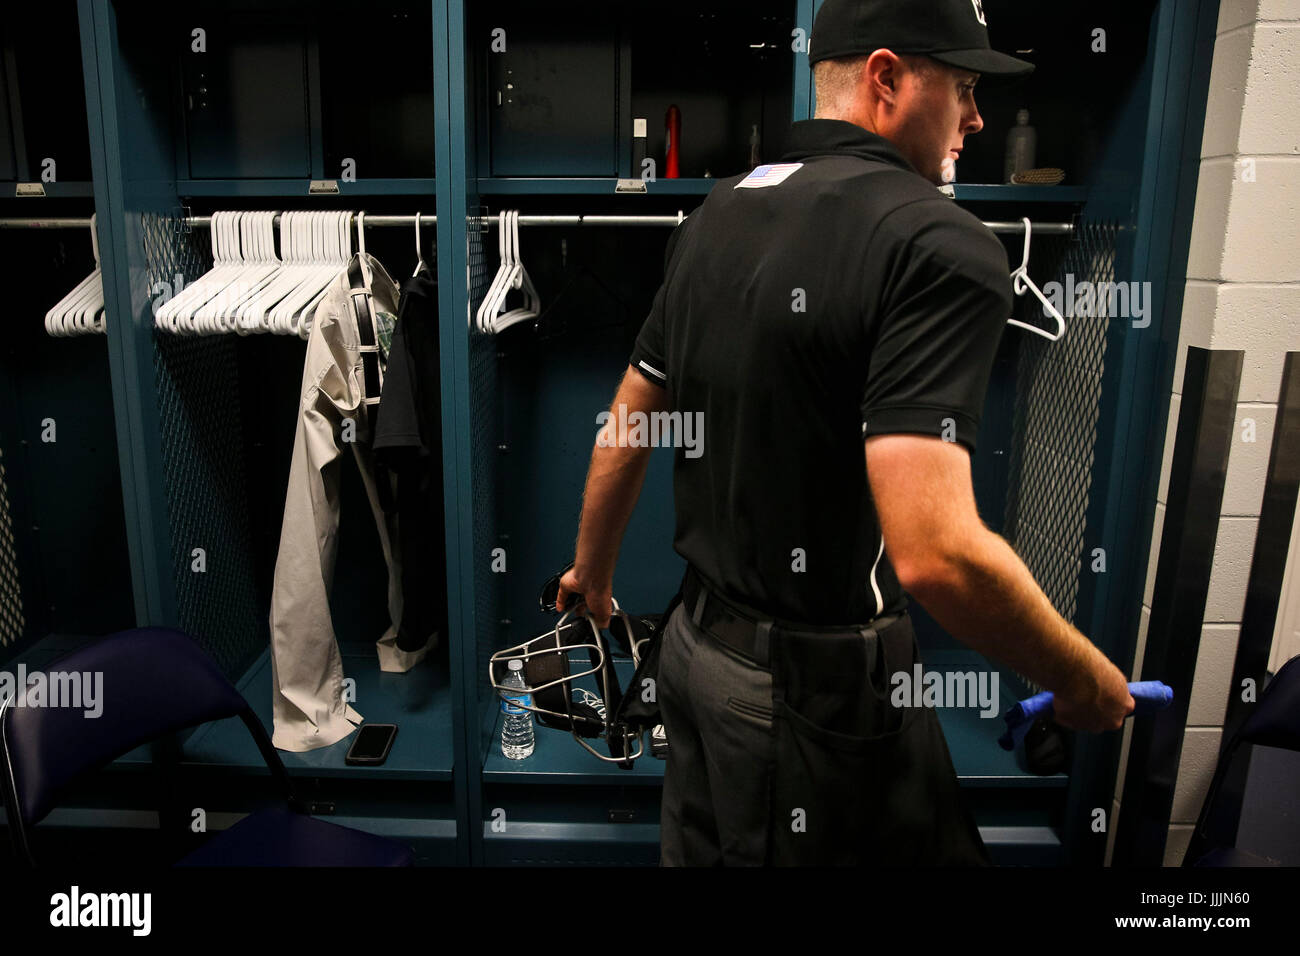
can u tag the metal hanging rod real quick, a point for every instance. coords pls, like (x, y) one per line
(1040, 228)
(490, 221)
(1014, 228)
(48, 222)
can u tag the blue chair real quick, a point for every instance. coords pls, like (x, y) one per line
(156, 682)
(1275, 722)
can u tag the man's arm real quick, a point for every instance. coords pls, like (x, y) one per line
(614, 481)
(975, 585)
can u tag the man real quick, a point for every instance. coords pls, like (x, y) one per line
(832, 307)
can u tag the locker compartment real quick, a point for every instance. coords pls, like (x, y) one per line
(729, 73)
(289, 90)
(537, 388)
(63, 531)
(229, 408)
(43, 130)
(63, 537)
(560, 89)
(1095, 138)
(551, 90)
(234, 129)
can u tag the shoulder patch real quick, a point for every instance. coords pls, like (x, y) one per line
(772, 174)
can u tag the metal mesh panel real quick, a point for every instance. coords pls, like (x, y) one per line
(12, 624)
(485, 435)
(1058, 398)
(197, 382)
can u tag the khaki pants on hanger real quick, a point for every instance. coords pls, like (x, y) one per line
(307, 669)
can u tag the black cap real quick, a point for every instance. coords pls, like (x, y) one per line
(951, 31)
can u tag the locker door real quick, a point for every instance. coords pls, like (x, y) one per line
(245, 103)
(552, 99)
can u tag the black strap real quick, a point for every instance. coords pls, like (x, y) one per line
(361, 311)
(612, 695)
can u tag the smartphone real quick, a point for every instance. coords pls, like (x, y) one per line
(371, 747)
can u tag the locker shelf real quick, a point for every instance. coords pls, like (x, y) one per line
(59, 190)
(585, 186)
(299, 187)
(696, 186)
(972, 739)
(558, 758)
(419, 702)
(980, 192)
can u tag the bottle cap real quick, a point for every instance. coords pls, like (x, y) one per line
(516, 665)
(1022, 117)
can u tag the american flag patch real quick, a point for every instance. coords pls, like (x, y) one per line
(769, 175)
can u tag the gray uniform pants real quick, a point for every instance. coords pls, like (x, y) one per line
(717, 714)
(802, 760)
(311, 708)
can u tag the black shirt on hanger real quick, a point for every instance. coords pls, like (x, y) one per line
(408, 444)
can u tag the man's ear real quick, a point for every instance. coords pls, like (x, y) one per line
(881, 70)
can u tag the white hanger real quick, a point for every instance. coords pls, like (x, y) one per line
(283, 321)
(195, 317)
(361, 249)
(336, 252)
(227, 234)
(419, 252)
(532, 301)
(81, 311)
(292, 314)
(252, 314)
(1021, 281)
(171, 314)
(510, 272)
(510, 275)
(488, 307)
(56, 320)
(258, 266)
(339, 239)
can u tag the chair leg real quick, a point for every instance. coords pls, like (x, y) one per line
(273, 761)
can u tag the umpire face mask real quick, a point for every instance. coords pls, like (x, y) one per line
(551, 679)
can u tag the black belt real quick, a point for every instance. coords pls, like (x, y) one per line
(745, 633)
(360, 296)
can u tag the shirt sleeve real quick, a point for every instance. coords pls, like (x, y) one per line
(938, 324)
(649, 354)
(396, 421)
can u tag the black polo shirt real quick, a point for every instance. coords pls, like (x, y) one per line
(804, 307)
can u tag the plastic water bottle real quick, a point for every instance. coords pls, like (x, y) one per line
(517, 734)
(1022, 144)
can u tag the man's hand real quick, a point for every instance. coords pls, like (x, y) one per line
(596, 596)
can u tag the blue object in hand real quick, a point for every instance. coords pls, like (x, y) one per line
(1148, 696)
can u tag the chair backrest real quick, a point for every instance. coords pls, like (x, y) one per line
(109, 697)
(1275, 722)
(1276, 719)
